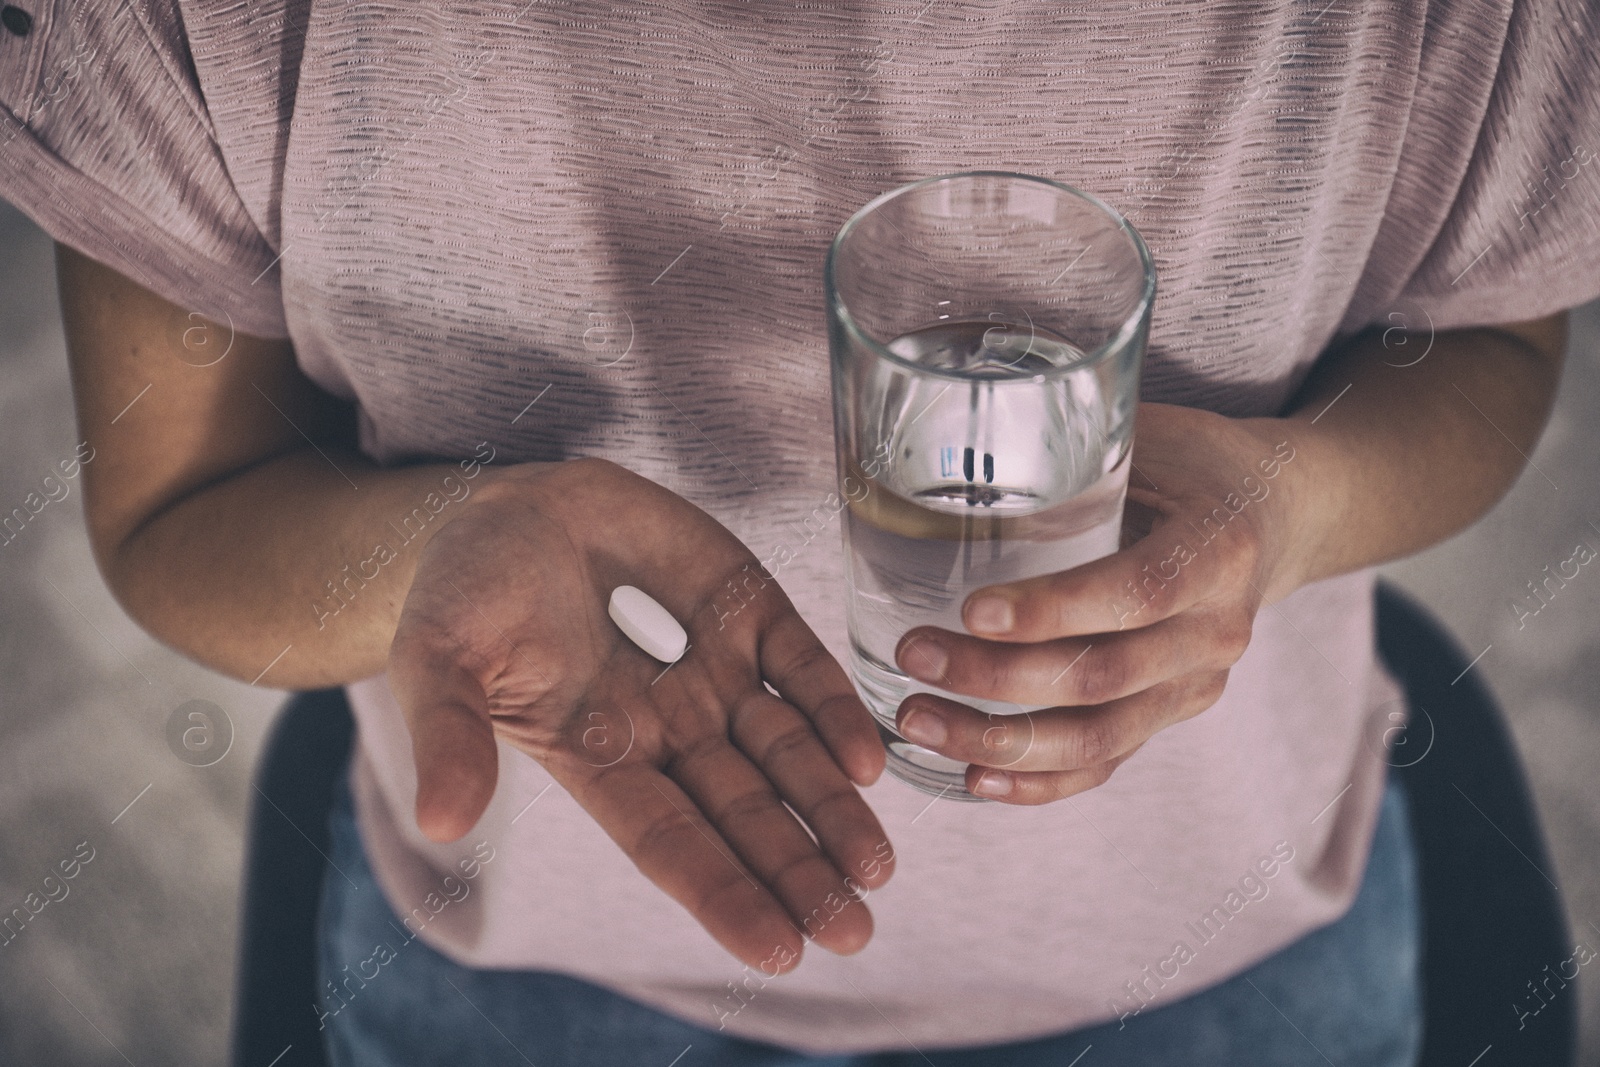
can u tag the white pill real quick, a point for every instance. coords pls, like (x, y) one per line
(647, 624)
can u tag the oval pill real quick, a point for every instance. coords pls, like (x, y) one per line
(647, 624)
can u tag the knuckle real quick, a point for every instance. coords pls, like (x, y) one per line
(1059, 597)
(1210, 689)
(745, 806)
(702, 748)
(1071, 783)
(1090, 742)
(1000, 740)
(1047, 790)
(1243, 549)
(660, 834)
(839, 714)
(1234, 633)
(1250, 540)
(805, 660)
(1031, 788)
(822, 811)
(786, 870)
(788, 745)
(1101, 677)
(993, 674)
(428, 644)
(728, 895)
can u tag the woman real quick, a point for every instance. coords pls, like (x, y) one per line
(404, 336)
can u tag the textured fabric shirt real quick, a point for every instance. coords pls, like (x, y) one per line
(554, 229)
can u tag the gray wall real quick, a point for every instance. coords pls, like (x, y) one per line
(135, 963)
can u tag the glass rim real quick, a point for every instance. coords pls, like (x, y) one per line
(1123, 336)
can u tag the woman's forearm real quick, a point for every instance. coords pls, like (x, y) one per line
(291, 573)
(217, 524)
(1398, 452)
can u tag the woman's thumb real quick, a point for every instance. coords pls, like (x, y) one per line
(452, 742)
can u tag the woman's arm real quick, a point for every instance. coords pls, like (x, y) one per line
(223, 498)
(1382, 455)
(228, 511)
(1414, 447)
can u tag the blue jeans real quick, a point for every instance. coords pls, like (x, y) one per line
(1347, 995)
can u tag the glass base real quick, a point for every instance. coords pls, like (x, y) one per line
(926, 770)
(882, 688)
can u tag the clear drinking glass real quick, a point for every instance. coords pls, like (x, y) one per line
(987, 331)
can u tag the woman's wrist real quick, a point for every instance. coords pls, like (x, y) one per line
(1393, 458)
(1305, 510)
(283, 575)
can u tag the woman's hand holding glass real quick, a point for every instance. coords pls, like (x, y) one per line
(1126, 645)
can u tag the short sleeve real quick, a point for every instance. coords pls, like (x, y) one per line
(107, 145)
(1521, 239)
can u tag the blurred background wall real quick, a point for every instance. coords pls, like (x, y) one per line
(135, 963)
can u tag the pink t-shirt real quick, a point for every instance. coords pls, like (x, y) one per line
(557, 229)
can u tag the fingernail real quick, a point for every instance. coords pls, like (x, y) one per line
(993, 784)
(925, 728)
(991, 614)
(926, 660)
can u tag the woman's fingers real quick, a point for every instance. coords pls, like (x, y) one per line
(806, 675)
(452, 739)
(780, 741)
(1038, 787)
(737, 803)
(667, 836)
(1077, 671)
(1186, 558)
(1078, 740)
(739, 800)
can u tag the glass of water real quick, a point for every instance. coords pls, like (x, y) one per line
(987, 332)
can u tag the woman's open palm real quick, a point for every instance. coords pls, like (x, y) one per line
(688, 767)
